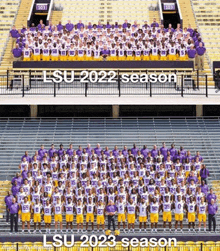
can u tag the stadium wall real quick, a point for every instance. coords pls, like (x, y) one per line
(108, 110)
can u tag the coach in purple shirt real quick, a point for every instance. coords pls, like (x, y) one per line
(13, 209)
(111, 210)
(189, 156)
(80, 25)
(134, 150)
(41, 24)
(52, 151)
(79, 151)
(70, 150)
(17, 178)
(182, 151)
(154, 151)
(13, 34)
(164, 150)
(125, 151)
(69, 26)
(89, 149)
(61, 150)
(144, 151)
(198, 156)
(200, 56)
(42, 151)
(107, 152)
(8, 202)
(172, 150)
(211, 196)
(17, 53)
(204, 173)
(154, 24)
(28, 158)
(125, 24)
(204, 187)
(115, 152)
(212, 211)
(59, 26)
(15, 188)
(192, 53)
(98, 150)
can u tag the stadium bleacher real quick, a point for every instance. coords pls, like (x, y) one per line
(7, 15)
(189, 16)
(19, 135)
(18, 18)
(208, 22)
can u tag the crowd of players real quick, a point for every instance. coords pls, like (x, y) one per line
(140, 183)
(112, 42)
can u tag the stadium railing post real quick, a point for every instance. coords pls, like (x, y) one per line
(146, 82)
(150, 89)
(206, 86)
(30, 78)
(22, 77)
(119, 84)
(54, 87)
(182, 85)
(7, 78)
(86, 89)
(17, 246)
(198, 79)
(201, 247)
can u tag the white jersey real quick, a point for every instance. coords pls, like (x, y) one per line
(166, 206)
(55, 196)
(131, 208)
(27, 53)
(25, 207)
(48, 188)
(100, 210)
(47, 210)
(121, 207)
(79, 209)
(37, 208)
(202, 208)
(26, 189)
(69, 208)
(179, 207)
(191, 207)
(35, 196)
(154, 208)
(90, 208)
(58, 208)
(20, 197)
(143, 209)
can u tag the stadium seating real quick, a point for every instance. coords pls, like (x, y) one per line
(181, 246)
(17, 135)
(189, 18)
(208, 22)
(7, 15)
(19, 18)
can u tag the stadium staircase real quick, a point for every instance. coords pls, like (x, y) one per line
(19, 135)
(21, 19)
(189, 18)
(208, 20)
(8, 12)
(5, 185)
(56, 16)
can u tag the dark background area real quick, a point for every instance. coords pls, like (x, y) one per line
(106, 110)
